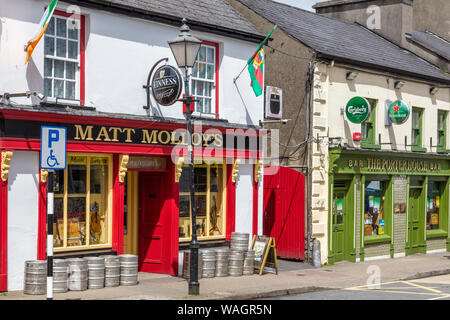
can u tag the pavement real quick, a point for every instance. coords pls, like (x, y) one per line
(293, 278)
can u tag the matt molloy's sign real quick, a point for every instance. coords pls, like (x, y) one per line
(166, 85)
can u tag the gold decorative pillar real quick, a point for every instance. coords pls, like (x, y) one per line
(258, 167)
(6, 159)
(178, 169)
(235, 170)
(123, 161)
(44, 175)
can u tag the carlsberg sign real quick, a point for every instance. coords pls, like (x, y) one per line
(357, 109)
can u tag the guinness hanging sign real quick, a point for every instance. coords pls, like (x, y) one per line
(166, 85)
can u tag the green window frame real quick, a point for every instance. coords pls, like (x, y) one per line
(368, 127)
(442, 208)
(442, 131)
(385, 205)
(416, 130)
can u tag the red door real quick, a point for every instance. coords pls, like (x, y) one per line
(284, 212)
(154, 225)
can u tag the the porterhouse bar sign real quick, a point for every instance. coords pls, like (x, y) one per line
(395, 164)
(213, 138)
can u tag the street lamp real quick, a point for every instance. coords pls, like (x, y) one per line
(185, 48)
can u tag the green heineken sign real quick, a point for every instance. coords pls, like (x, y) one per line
(398, 112)
(357, 109)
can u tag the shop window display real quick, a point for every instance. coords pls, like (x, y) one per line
(433, 205)
(374, 215)
(209, 188)
(81, 202)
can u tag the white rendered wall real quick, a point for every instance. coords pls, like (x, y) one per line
(244, 200)
(120, 51)
(23, 203)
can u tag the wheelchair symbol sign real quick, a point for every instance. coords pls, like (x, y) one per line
(53, 148)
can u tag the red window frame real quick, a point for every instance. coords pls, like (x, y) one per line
(216, 71)
(82, 19)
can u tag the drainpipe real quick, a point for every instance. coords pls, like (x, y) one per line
(309, 80)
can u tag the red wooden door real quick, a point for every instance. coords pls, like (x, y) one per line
(284, 212)
(154, 225)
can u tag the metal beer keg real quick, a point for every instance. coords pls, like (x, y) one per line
(128, 269)
(187, 263)
(60, 275)
(222, 262)
(239, 241)
(249, 263)
(35, 281)
(209, 263)
(96, 272)
(236, 263)
(78, 274)
(112, 271)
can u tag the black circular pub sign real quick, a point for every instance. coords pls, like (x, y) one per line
(166, 85)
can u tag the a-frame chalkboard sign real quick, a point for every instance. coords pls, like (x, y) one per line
(265, 254)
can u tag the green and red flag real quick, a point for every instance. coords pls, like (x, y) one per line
(256, 66)
(43, 24)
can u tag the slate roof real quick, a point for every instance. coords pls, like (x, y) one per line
(339, 40)
(433, 42)
(216, 16)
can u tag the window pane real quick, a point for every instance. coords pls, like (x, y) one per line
(200, 178)
(99, 198)
(415, 119)
(210, 71)
(208, 87)
(58, 182)
(51, 27)
(61, 48)
(48, 87)
(185, 221)
(184, 180)
(72, 26)
(199, 105)
(433, 205)
(207, 106)
(58, 222)
(195, 70)
(374, 208)
(59, 88)
(202, 71)
(70, 70)
(70, 90)
(49, 46)
(61, 28)
(77, 175)
(76, 221)
(441, 121)
(210, 55)
(216, 222)
(73, 50)
(48, 66)
(199, 90)
(202, 54)
(59, 69)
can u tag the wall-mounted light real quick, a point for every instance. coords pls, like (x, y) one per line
(399, 84)
(433, 90)
(351, 75)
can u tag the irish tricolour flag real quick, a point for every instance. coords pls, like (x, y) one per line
(42, 27)
(256, 67)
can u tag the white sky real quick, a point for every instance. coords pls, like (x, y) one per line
(304, 4)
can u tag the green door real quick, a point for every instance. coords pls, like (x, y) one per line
(415, 234)
(339, 208)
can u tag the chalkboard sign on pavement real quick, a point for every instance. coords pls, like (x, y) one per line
(265, 254)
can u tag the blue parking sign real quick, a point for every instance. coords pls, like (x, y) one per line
(53, 148)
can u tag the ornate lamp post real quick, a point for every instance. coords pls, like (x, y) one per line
(185, 48)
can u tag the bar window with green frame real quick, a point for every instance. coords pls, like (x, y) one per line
(442, 131)
(368, 127)
(437, 207)
(416, 130)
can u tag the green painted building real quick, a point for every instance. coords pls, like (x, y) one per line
(387, 204)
